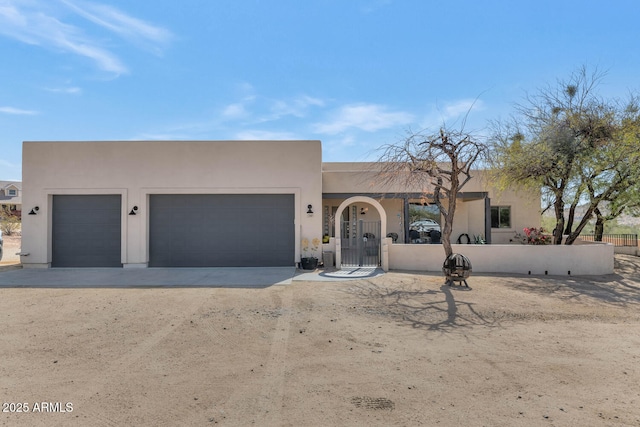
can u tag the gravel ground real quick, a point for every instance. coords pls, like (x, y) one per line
(399, 349)
(10, 246)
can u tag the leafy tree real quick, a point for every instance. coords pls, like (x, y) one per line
(626, 196)
(579, 148)
(439, 164)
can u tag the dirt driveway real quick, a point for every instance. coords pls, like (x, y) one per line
(401, 349)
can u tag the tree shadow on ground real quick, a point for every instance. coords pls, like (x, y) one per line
(441, 309)
(620, 289)
(628, 267)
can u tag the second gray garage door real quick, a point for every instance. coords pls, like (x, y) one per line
(221, 230)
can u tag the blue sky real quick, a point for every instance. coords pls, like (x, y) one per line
(353, 73)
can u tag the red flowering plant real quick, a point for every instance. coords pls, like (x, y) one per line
(536, 236)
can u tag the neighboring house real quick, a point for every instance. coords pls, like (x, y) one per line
(226, 203)
(11, 196)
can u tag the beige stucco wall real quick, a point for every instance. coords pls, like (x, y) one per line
(356, 177)
(560, 260)
(524, 203)
(136, 169)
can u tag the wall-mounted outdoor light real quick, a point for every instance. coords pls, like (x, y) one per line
(34, 211)
(309, 210)
(363, 211)
(133, 211)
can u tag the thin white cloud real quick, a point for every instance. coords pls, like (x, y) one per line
(264, 135)
(38, 23)
(234, 111)
(348, 141)
(308, 100)
(374, 5)
(127, 27)
(245, 89)
(105, 59)
(10, 171)
(17, 111)
(459, 108)
(71, 90)
(252, 108)
(29, 24)
(366, 117)
(145, 136)
(245, 119)
(239, 110)
(11, 13)
(451, 112)
(297, 107)
(8, 164)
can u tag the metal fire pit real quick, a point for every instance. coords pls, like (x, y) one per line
(456, 268)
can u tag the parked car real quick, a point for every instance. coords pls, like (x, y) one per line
(424, 225)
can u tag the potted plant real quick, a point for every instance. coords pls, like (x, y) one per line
(309, 261)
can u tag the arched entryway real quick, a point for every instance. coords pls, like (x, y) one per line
(360, 241)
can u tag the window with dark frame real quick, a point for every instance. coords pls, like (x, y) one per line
(500, 216)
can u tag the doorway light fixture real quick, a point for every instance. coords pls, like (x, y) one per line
(133, 210)
(309, 210)
(34, 211)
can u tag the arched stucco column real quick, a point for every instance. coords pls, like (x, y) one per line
(384, 249)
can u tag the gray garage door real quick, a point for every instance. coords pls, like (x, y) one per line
(221, 230)
(86, 231)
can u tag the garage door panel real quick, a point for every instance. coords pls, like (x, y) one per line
(221, 230)
(86, 231)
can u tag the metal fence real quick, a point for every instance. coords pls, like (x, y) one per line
(615, 239)
(360, 242)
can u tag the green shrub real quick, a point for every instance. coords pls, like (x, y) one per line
(9, 223)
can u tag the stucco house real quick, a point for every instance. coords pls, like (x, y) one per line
(11, 197)
(228, 203)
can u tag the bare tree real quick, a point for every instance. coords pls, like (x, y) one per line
(438, 165)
